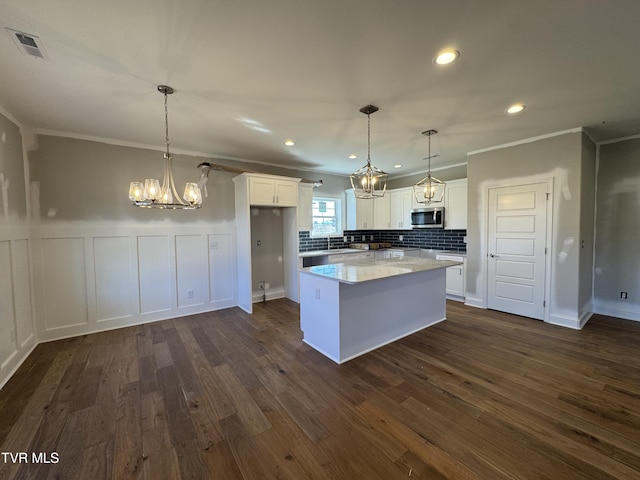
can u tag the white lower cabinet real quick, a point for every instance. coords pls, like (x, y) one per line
(455, 277)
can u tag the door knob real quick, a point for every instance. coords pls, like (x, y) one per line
(493, 256)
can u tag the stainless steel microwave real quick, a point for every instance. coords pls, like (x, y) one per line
(427, 218)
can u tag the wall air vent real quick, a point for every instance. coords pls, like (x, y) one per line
(28, 44)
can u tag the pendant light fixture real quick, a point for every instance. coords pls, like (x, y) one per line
(368, 181)
(150, 195)
(429, 189)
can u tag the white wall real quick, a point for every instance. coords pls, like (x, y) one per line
(94, 278)
(17, 329)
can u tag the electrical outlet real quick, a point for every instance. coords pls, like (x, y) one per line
(624, 295)
(400, 238)
(261, 285)
(344, 239)
(12, 333)
(318, 293)
(213, 245)
(352, 238)
(190, 293)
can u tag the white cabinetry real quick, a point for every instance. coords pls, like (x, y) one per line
(272, 191)
(440, 204)
(455, 213)
(400, 204)
(305, 202)
(382, 212)
(455, 277)
(366, 214)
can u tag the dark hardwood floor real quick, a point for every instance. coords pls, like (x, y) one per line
(226, 395)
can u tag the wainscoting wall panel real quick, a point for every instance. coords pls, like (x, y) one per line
(21, 274)
(191, 267)
(113, 286)
(17, 337)
(7, 317)
(222, 272)
(64, 282)
(95, 278)
(154, 273)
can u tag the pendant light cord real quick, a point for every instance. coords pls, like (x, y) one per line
(166, 124)
(369, 139)
(429, 157)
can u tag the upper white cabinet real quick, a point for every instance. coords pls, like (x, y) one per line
(401, 205)
(455, 213)
(382, 212)
(393, 211)
(271, 190)
(305, 202)
(364, 214)
(440, 204)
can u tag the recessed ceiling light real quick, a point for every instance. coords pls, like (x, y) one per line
(289, 143)
(516, 108)
(397, 166)
(353, 156)
(447, 56)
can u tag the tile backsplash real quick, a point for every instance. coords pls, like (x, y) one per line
(435, 238)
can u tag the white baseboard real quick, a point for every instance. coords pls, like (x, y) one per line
(474, 302)
(565, 321)
(104, 326)
(16, 362)
(613, 309)
(272, 294)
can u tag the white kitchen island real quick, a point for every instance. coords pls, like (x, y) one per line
(350, 308)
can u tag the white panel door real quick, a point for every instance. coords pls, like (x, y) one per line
(516, 249)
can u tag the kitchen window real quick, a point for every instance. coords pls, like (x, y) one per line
(326, 215)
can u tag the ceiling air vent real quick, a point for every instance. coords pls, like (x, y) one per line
(28, 44)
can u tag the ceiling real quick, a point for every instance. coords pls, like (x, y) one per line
(249, 75)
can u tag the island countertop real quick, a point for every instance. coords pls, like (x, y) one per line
(359, 271)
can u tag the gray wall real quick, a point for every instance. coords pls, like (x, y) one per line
(83, 180)
(12, 169)
(267, 258)
(617, 266)
(446, 174)
(560, 157)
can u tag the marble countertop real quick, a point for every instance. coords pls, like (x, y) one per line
(333, 251)
(359, 271)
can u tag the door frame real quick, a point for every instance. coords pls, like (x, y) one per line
(484, 253)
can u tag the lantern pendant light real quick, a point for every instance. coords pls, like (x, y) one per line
(368, 181)
(150, 195)
(429, 189)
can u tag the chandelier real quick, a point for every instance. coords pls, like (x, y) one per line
(150, 195)
(429, 189)
(368, 181)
